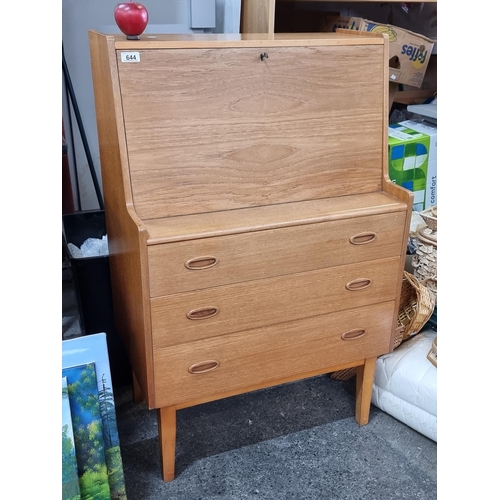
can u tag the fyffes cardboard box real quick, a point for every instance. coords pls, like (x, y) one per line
(413, 161)
(409, 52)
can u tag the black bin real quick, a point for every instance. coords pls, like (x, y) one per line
(92, 280)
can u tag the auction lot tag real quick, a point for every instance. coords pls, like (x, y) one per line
(131, 57)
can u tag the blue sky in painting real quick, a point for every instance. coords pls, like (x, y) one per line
(88, 349)
(92, 349)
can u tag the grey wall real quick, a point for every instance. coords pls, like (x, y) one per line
(165, 16)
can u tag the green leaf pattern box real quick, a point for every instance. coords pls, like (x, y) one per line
(413, 160)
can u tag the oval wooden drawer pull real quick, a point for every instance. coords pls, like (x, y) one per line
(359, 284)
(205, 262)
(203, 366)
(203, 313)
(355, 333)
(363, 238)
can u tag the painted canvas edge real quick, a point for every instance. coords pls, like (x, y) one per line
(87, 486)
(70, 490)
(94, 348)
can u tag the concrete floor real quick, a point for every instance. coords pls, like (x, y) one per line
(296, 441)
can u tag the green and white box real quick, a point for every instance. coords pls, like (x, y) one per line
(413, 160)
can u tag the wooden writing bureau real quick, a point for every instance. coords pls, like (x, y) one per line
(254, 236)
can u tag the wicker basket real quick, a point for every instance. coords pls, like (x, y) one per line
(346, 374)
(416, 305)
(433, 353)
(424, 260)
(430, 218)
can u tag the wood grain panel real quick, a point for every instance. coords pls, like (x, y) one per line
(275, 252)
(126, 234)
(257, 16)
(222, 129)
(273, 300)
(253, 357)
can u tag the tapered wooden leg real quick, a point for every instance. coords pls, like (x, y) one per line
(136, 390)
(167, 434)
(364, 386)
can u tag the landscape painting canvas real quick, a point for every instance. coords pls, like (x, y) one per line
(87, 432)
(70, 484)
(94, 349)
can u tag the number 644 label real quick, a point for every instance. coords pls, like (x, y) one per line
(131, 57)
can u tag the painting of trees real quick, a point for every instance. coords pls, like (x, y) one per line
(93, 399)
(87, 429)
(70, 484)
(111, 440)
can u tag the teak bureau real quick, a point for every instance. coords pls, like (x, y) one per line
(254, 236)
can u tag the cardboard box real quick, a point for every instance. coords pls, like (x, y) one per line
(409, 53)
(413, 160)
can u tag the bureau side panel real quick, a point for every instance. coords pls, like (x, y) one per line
(398, 192)
(126, 235)
(222, 129)
(407, 197)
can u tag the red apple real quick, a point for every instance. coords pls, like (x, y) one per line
(131, 18)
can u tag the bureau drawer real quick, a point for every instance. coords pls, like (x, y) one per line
(216, 311)
(208, 262)
(261, 357)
